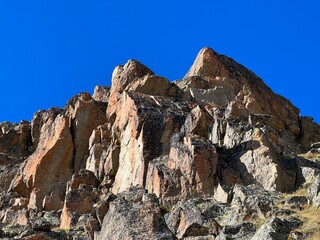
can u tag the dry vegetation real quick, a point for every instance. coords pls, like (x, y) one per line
(310, 155)
(309, 215)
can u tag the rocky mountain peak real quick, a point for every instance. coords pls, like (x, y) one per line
(205, 157)
(207, 65)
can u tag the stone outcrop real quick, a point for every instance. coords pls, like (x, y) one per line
(85, 115)
(134, 218)
(204, 157)
(143, 127)
(276, 228)
(41, 174)
(194, 218)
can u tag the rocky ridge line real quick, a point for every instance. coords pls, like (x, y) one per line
(205, 157)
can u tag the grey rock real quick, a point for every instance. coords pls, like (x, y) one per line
(314, 191)
(297, 201)
(276, 229)
(250, 202)
(128, 218)
(194, 218)
(241, 231)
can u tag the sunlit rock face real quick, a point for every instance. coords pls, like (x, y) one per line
(204, 157)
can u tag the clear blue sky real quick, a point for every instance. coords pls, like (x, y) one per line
(52, 50)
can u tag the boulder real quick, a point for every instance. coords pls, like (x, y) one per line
(191, 165)
(134, 217)
(242, 231)
(80, 198)
(256, 161)
(250, 203)
(310, 131)
(92, 225)
(276, 229)
(314, 192)
(297, 201)
(83, 177)
(194, 218)
(308, 170)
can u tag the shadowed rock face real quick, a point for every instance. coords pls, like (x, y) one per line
(149, 159)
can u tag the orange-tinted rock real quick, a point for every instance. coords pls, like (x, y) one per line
(197, 160)
(77, 203)
(243, 92)
(86, 114)
(55, 200)
(134, 76)
(99, 149)
(214, 134)
(92, 225)
(80, 198)
(191, 166)
(101, 93)
(143, 126)
(310, 131)
(42, 170)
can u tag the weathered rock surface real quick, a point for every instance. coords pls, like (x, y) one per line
(80, 197)
(85, 115)
(144, 125)
(276, 229)
(41, 173)
(240, 231)
(194, 218)
(134, 218)
(314, 191)
(101, 94)
(250, 203)
(204, 157)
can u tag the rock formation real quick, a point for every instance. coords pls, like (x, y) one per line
(210, 156)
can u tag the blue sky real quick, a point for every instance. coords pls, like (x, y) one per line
(52, 50)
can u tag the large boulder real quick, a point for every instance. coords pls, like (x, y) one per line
(80, 197)
(276, 229)
(250, 203)
(314, 191)
(134, 216)
(194, 218)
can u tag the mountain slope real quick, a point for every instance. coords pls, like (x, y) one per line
(209, 155)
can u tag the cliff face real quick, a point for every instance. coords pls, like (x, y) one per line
(209, 155)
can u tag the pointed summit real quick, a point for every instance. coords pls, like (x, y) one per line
(208, 64)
